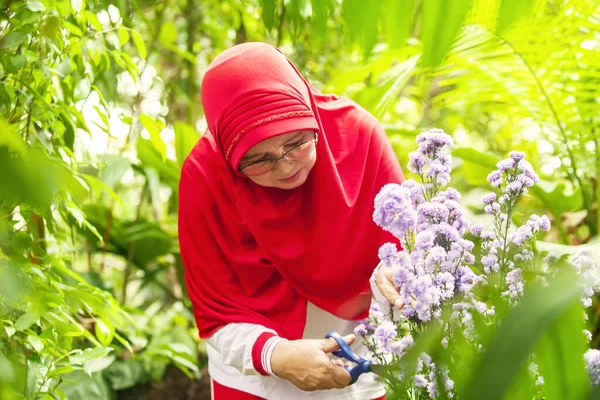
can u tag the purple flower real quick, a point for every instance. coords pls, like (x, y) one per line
(514, 188)
(445, 283)
(450, 194)
(505, 164)
(399, 347)
(385, 332)
(592, 361)
(387, 252)
(433, 212)
(514, 280)
(424, 240)
(465, 279)
(415, 191)
(403, 277)
(527, 169)
(476, 230)
(495, 178)
(490, 263)
(434, 258)
(360, 330)
(489, 198)
(516, 155)
(435, 138)
(420, 380)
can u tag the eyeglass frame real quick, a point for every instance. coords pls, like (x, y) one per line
(285, 153)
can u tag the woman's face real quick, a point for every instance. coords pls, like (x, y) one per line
(286, 174)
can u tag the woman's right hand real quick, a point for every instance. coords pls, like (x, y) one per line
(305, 363)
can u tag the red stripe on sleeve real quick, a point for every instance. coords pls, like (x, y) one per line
(257, 350)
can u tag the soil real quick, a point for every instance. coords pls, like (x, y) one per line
(175, 386)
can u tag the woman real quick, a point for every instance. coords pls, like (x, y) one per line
(275, 228)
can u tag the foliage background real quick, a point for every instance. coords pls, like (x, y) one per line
(99, 105)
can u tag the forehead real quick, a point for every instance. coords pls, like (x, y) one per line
(275, 142)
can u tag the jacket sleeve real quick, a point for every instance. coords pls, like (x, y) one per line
(246, 347)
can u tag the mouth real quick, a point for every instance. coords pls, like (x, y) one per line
(292, 178)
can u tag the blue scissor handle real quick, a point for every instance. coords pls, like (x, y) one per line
(362, 365)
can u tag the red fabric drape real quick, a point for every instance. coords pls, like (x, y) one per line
(256, 254)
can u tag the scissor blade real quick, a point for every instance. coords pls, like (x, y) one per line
(381, 368)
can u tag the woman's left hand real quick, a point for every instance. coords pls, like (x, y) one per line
(385, 283)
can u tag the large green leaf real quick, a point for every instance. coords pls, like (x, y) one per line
(12, 39)
(560, 357)
(400, 14)
(512, 10)
(186, 137)
(114, 169)
(519, 335)
(78, 385)
(441, 21)
(268, 13)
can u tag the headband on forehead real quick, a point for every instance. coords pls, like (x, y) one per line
(252, 92)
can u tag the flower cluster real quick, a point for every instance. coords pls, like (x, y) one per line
(435, 265)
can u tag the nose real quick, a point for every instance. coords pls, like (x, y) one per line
(285, 166)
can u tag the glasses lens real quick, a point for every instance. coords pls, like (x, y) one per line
(301, 150)
(258, 168)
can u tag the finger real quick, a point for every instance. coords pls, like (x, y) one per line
(338, 362)
(328, 345)
(350, 338)
(341, 377)
(388, 290)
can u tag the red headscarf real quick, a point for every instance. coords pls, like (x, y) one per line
(256, 254)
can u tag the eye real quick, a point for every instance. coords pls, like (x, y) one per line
(289, 146)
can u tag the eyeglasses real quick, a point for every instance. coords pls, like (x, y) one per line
(298, 152)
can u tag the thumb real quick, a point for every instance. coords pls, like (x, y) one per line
(388, 289)
(328, 345)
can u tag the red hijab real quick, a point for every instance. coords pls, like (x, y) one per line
(256, 254)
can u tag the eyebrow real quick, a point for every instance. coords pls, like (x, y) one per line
(254, 157)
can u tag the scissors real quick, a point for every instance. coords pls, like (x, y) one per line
(362, 364)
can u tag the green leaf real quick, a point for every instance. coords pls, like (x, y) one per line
(78, 385)
(511, 11)
(519, 334)
(18, 61)
(36, 342)
(477, 157)
(76, 5)
(123, 374)
(123, 36)
(60, 371)
(105, 331)
(168, 34)
(399, 18)
(26, 320)
(321, 10)
(113, 171)
(92, 18)
(73, 29)
(9, 331)
(139, 43)
(12, 39)
(441, 21)
(51, 26)
(560, 357)
(154, 127)
(89, 354)
(10, 138)
(98, 364)
(186, 137)
(35, 6)
(268, 13)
